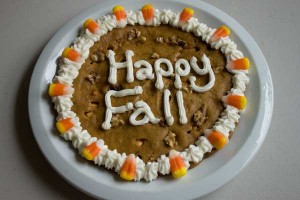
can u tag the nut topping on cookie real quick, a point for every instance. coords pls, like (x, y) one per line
(200, 116)
(170, 139)
(93, 78)
(116, 121)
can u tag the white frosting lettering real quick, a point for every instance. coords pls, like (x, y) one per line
(114, 66)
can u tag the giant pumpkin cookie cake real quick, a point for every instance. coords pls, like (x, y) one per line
(149, 93)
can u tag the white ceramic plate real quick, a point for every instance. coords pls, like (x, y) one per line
(212, 172)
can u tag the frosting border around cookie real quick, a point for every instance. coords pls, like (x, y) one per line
(91, 148)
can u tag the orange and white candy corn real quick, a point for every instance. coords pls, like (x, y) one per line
(239, 64)
(148, 13)
(92, 26)
(58, 89)
(91, 151)
(234, 100)
(185, 15)
(120, 14)
(217, 140)
(177, 165)
(64, 125)
(222, 31)
(127, 171)
(71, 54)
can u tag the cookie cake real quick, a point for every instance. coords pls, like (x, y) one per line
(149, 93)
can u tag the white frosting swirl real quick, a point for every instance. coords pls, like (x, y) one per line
(76, 65)
(208, 35)
(131, 17)
(163, 165)
(82, 139)
(82, 45)
(111, 159)
(204, 144)
(224, 126)
(63, 80)
(156, 18)
(100, 158)
(94, 37)
(166, 16)
(240, 81)
(68, 71)
(174, 21)
(65, 114)
(62, 103)
(221, 42)
(201, 30)
(151, 171)
(120, 161)
(140, 18)
(183, 155)
(140, 169)
(231, 113)
(190, 25)
(74, 131)
(194, 154)
(109, 21)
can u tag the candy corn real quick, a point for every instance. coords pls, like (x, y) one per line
(222, 31)
(185, 15)
(235, 100)
(64, 125)
(127, 171)
(91, 151)
(148, 13)
(119, 12)
(218, 140)
(92, 26)
(178, 168)
(71, 54)
(57, 89)
(239, 64)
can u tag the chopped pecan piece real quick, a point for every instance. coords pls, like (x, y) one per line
(155, 56)
(93, 78)
(131, 34)
(140, 142)
(170, 139)
(88, 114)
(162, 122)
(142, 39)
(98, 56)
(200, 116)
(116, 121)
(181, 42)
(160, 39)
(138, 33)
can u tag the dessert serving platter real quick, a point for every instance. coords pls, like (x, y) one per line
(214, 171)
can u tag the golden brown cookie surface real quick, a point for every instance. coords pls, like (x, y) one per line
(149, 43)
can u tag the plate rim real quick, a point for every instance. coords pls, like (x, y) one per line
(267, 95)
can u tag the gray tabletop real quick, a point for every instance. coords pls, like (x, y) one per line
(27, 26)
